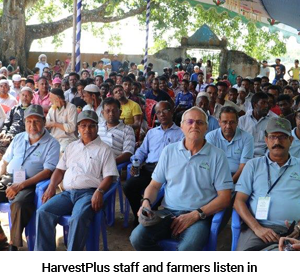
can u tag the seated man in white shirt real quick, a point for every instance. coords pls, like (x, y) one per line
(61, 119)
(116, 134)
(87, 169)
(7, 101)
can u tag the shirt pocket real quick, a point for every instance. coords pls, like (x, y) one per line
(94, 167)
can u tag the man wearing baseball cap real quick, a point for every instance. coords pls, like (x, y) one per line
(270, 184)
(30, 158)
(87, 169)
(91, 95)
(14, 122)
(61, 119)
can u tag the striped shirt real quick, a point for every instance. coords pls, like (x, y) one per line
(120, 138)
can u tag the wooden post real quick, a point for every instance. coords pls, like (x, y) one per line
(74, 35)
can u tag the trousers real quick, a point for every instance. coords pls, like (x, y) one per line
(22, 207)
(76, 203)
(194, 238)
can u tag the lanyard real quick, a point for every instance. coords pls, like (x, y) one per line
(25, 158)
(269, 177)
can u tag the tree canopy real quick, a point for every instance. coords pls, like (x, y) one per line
(170, 21)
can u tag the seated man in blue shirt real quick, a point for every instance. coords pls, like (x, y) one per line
(202, 102)
(197, 182)
(184, 101)
(149, 152)
(270, 187)
(237, 144)
(30, 158)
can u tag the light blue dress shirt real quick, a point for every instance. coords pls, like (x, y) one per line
(295, 147)
(257, 129)
(191, 181)
(285, 196)
(44, 154)
(155, 141)
(238, 151)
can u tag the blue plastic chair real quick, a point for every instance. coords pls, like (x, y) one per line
(30, 228)
(127, 205)
(97, 226)
(235, 229)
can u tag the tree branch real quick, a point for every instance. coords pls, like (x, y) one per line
(39, 31)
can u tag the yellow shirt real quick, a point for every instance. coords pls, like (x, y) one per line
(129, 110)
(296, 72)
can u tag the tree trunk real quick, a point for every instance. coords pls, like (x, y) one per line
(13, 33)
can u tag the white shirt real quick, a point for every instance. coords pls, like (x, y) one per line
(264, 72)
(68, 117)
(218, 108)
(98, 111)
(9, 102)
(87, 165)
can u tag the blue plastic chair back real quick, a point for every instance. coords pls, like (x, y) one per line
(30, 228)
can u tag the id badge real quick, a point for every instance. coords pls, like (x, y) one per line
(19, 176)
(262, 209)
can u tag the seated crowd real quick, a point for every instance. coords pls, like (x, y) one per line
(210, 146)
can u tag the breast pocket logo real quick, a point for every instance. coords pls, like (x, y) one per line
(205, 166)
(294, 175)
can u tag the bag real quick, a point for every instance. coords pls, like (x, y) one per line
(5, 181)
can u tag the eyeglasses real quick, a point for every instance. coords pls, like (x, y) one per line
(87, 126)
(199, 122)
(280, 138)
(165, 111)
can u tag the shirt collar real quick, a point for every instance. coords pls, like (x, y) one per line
(292, 159)
(95, 141)
(205, 150)
(44, 139)
(173, 127)
(294, 134)
(235, 137)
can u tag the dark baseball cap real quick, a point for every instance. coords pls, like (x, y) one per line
(279, 125)
(90, 115)
(34, 110)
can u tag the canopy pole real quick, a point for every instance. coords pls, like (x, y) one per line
(78, 37)
(147, 36)
(74, 35)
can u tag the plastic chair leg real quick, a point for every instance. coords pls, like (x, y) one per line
(120, 190)
(126, 213)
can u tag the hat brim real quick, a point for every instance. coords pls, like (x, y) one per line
(87, 118)
(37, 114)
(277, 130)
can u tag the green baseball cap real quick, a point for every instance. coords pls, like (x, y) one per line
(90, 115)
(34, 110)
(280, 125)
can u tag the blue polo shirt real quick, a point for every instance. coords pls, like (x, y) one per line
(155, 141)
(295, 147)
(285, 196)
(238, 151)
(44, 154)
(191, 181)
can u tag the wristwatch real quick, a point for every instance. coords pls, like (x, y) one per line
(101, 191)
(201, 214)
